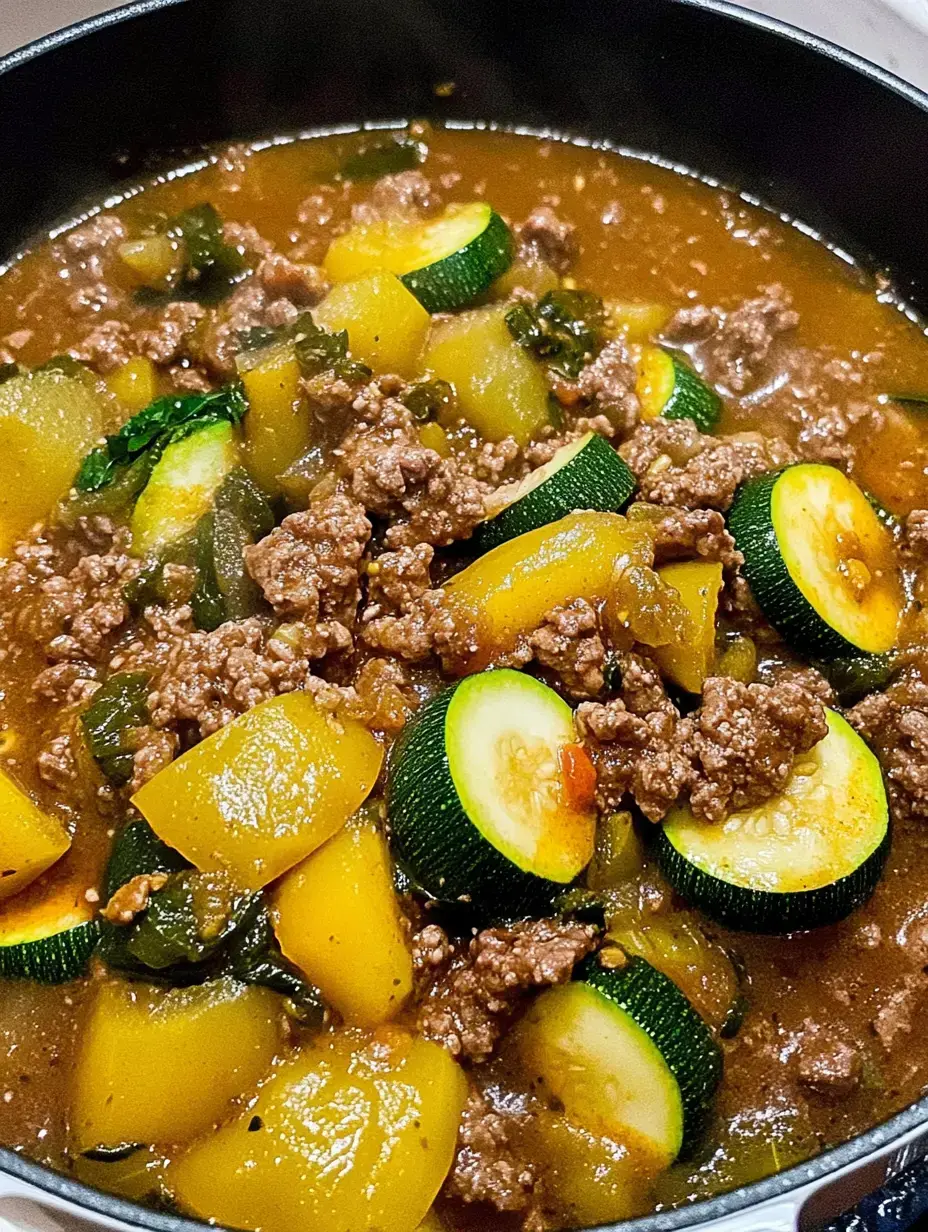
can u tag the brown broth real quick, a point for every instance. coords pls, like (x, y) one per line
(674, 240)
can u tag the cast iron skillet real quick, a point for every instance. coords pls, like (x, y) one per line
(809, 129)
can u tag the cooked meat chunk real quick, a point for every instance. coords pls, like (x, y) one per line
(132, 898)
(170, 340)
(395, 580)
(470, 1006)
(608, 384)
(916, 533)
(549, 238)
(569, 644)
(827, 1065)
(486, 1167)
(153, 751)
(700, 534)
(79, 613)
(308, 567)
(895, 723)
(288, 280)
(746, 741)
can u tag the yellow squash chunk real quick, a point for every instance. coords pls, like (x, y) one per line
(500, 389)
(688, 662)
(277, 427)
(159, 1065)
(357, 1134)
(48, 422)
(336, 917)
(182, 487)
(30, 840)
(590, 1179)
(507, 592)
(386, 324)
(258, 796)
(637, 322)
(134, 383)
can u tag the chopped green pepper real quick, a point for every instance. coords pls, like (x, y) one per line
(564, 329)
(426, 400)
(117, 707)
(240, 516)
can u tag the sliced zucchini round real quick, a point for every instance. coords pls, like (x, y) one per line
(625, 1053)
(668, 388)
(808, 857)
(819, 561)
(50, 940)
(584, 474)
(477, 799)
(446, 262)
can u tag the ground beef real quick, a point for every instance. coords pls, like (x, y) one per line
(405, 194)
(208, 679)
(100, 232)
(472, 1002)
(684, 534)
(395, 580)
(308, 567)
(153, 750)
(895, 723)
(824, 435)
(731, 349)
(170, 339)
(543, 236)
(486, 1167)
(746, 740)
(430, 627)
(916, 533)
(776, 671)
(568, 643)
(899, 1010)
(608, 384)
(219, 339)
(78, 614)
(67, 684)
(106, 347)
(676, 464)
(432, 952)
(383, 696)
(392, 474)
(132, 898)
(827, 1065)
(56, 762)
(300, 284)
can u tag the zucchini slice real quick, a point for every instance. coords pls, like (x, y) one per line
(446, 262)
(668, 388)
(819, 560)
(584, 474)
(808, 857)
(625, 1053)
(477, 796)
(49, 941)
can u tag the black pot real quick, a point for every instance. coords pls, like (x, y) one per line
(810, 130)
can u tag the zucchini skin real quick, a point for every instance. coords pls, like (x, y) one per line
(750, 521)
(692, 398)
(767, 911)
(446, 853)
(50, 960)
(595, 478)
(462, 276)
(660, 1009)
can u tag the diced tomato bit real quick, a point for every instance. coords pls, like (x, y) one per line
(579, 775)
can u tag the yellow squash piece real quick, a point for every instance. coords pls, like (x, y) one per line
(691, 660)
(357, 1134)
(159, 1065)
(336, 917)
(500, 389)
(590, 1178)
(258, 796)
(387, 326)
(134, 383)
(507, 592)
(278, 429)
(48, 422)
(182, 486)
(30, 840)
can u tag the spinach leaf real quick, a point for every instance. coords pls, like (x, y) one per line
(564, 329)
(7, 371)
(212, 266)
(316, 349)
(426, 400)
(255, 958)
(187, 920)
(118, 706)
(383, 158)
(225, 590)
(155, 427)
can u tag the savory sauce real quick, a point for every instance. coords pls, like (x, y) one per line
(827, 1043)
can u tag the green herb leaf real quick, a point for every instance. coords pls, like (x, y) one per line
(225, 590)
(383, 158)
(427, 400)
(316, 349)
(155, 427)
(120, 705)
(7, 371)
(187, 920)
(255, 958)
(564, 329)
(213, 266)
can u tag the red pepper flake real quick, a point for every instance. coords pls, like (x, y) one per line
(579, 776)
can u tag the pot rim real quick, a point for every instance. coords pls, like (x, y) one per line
(781, 1184)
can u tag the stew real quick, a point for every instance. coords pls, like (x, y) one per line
(463, 689)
